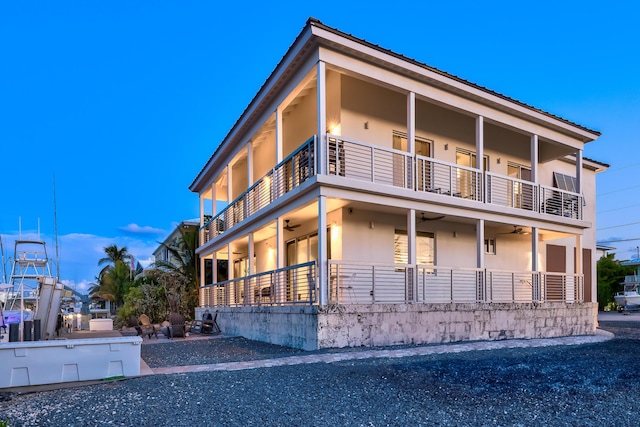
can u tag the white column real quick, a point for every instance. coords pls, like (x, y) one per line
(321, 76)
(214, 198)
(412, 252)
(480, 143)
(480, 243)
(249, 164)
(579, 268)
(214, 267)
(201, 291)
(534, 158)
(279, 133)
(411, 135)
(279, 243)
(322, 251)
(230, 272)
(248, 288)
(411, 122)
(579, 171)
(229, 178)
(536, 283)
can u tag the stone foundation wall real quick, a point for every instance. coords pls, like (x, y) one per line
(312, 327)
(391, 324)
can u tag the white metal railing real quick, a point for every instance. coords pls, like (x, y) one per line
(558, 202)
(290, 285)
(366, 283)
(387, 166)
(366, 162)
(440, 177)
(511, 192)
(297, 168)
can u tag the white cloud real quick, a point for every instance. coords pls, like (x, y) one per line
(136, 229)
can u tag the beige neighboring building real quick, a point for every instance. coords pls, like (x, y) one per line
(356, 211)
(162, 253)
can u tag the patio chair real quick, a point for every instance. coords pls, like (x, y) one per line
(177, 325)
(147, 328)
(209, 325)
(135, 323)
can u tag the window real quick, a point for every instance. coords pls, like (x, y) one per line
(565, 182)
(423, 145)
(520, 195)
(490, 246)
(468, 158)
(467, 184)
(425, 248)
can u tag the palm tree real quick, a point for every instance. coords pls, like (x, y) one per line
(114, 278)
(114, 254)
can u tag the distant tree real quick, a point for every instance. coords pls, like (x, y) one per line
(610, 276)
(114, 254)
(115, 283)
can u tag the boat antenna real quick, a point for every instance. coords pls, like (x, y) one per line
(20, 226)
(55, 226)
(4, 270)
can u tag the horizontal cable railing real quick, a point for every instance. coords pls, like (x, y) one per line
(371, 163)
(558, 202)
(447, 178)
(298, 167)
(511, 192)
(562, 287)
(366, 283)
(290, 285)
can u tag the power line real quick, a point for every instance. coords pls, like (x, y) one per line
(617, 226)
(617, 191)
(617, 209)
(618, 240)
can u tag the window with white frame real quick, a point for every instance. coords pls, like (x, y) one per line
(490, 246)
(425, 248)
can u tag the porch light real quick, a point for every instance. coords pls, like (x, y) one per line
(334, 128)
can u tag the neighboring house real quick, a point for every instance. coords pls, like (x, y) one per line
(602, 251)
(357, 212)
(162, 252)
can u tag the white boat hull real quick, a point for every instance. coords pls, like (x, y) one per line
(626, 299)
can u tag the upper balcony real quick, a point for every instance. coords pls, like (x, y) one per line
(353, 160)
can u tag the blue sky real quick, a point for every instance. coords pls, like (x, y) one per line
(123, 102)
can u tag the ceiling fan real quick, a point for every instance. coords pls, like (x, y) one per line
(517, 230)
(424, 218)
(290, 227)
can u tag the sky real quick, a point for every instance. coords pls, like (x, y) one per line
(108, 110)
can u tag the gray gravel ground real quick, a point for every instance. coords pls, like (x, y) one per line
(585, 385)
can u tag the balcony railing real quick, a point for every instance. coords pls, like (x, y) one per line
(371, 163)
(511, 192)
(386, 166)
(365, 283)
(380, 165)
(447, 178)
(297, 168)
(286, 286)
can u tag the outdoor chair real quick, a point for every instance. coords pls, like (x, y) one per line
(147, 328)
(177, 325)
(209, 325)
(135, 323)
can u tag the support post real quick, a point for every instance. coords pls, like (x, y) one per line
(322, 251)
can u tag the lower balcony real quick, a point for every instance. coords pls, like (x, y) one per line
(352, 283)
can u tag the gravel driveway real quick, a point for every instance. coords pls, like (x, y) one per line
(578, 385)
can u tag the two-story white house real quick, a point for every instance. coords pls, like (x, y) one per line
(365, 198)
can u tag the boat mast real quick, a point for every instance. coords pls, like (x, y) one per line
(55, 227)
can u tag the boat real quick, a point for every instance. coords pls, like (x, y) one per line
(31, 299)
(629, 297)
